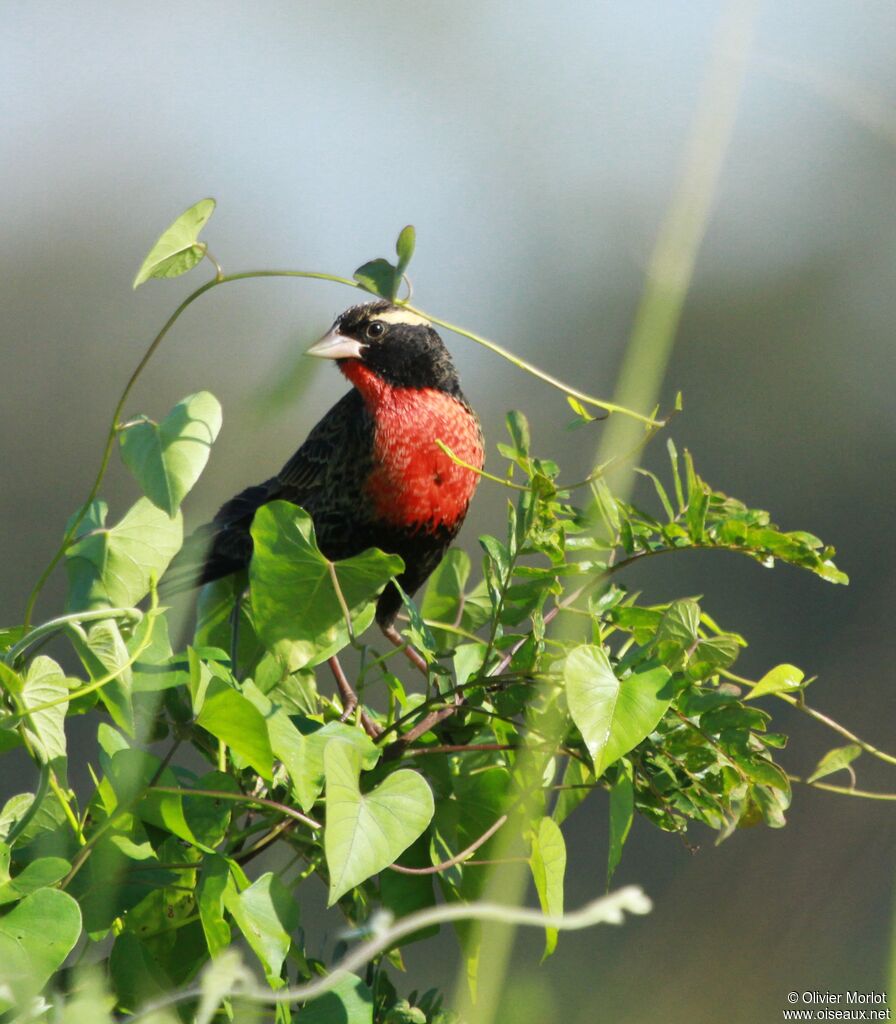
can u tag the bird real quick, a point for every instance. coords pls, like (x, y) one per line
(370, 473)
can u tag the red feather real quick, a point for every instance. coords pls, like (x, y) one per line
(414, 483)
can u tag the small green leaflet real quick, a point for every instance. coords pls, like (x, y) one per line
(622, 812)
(167, 458)
(777, 680)
(835, 760)
(548, 864)
(177, 249)
(350, 1001)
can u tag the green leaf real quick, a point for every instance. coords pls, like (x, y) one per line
(576, 777)
(45, 871)
(46, 683)
(660, 491)
(380, 278)
(295, 605)
(14, 810)
(622, 812)
(548, 864)
(835, 760)
(177, 250)
(10, 636)
(777, 680)
(350, 1001)
(234, 720)
(267, 915)
(307, 762)
(366, 832)
(678, 627)
(136, 976)
(102, 651)
(36, 936)
(612, 715)
(167, 458)
(112, 566)
(404, 247)
(210, 892)
(218, 979)
(444, 591)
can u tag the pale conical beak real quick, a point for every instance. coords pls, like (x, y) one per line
(336, 346)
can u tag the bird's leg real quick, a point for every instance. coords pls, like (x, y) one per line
(413, 656)
(350, 699)
(235, 633)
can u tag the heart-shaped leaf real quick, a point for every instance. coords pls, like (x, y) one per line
(112, 566)
(295, 605)
(366, 832)
(177, 250)
(378, 277)
(35, 938)
(612, 714)
(167, 458)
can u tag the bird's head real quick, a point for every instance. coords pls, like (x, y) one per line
(399, 347)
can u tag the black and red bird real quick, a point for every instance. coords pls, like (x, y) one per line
(370, 473)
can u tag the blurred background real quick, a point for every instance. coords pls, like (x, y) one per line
(537, 149)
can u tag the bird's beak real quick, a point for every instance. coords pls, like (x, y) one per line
(336, 346)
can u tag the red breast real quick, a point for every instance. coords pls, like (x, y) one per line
(414, 483)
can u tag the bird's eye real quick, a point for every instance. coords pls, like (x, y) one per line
(374, 330)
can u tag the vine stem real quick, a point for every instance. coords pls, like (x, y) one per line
(522, 364)
(240, 798)
(458, 858)
(865, 794)
(605, 910)
(800, 704)
(47, 629)
(831, 724)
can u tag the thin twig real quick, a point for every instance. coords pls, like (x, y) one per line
(457, 858)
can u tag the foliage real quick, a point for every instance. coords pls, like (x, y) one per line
(512, 728)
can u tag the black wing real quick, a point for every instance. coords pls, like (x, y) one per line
(309, 478)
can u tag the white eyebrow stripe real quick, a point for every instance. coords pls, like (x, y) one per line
(401, 316)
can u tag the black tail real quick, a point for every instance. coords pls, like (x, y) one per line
(221, 547)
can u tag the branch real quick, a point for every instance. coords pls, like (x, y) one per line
(240, 798)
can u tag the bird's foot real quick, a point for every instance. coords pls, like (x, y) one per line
(350, 700)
